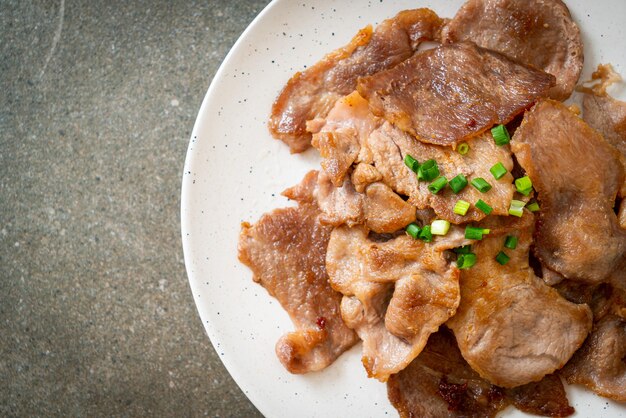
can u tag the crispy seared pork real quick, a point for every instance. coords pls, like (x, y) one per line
(286, 250)
(576, 175)
(536, 32)
(311, 94)
(450, 93)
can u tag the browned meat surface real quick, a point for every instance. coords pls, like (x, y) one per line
(536, 32)
(608, 116)
(379, 207)
(545, 398)
(599, 364)
(509, 325)
(450, 93)
(389, 145)
(311, 94)
(396, 293)
(440, 383)
(340, 135)
(576, 175)
(286, 250)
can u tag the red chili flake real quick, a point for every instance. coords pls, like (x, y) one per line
(471, 123)
(452, 393)
(321, 322)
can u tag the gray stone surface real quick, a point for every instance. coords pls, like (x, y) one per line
(97, 101)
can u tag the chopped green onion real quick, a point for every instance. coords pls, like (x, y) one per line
(428, 171)
(465, 261)
(517, 208)
(461, 207)
(458, 183)
(466, 249)
(472, 232)
(425, 234)
(413, 230)
(533, 207)
(463, 148)
(502, 258)
(411, 163)
(510, 242)
(482, 205)
(498, 170)
(440, 227)
(524, 185)
(500, 135)
(437, 184)
(481, 184)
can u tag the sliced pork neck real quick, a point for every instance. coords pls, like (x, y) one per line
(389, 146)
(396, 293)
(439, 383)
(576, 175)
(509, 325)
(536, 32)
(450, 93)
(286, 251)
(311, 94)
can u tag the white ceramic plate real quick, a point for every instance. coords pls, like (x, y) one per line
(235, 172)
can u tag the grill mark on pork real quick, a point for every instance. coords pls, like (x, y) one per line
(576, 175)
(396, 293)
(536, 32)
(389, 146)
(440, 383)
(453, 92)
(286, 251)
(311, 94)
(509, 325)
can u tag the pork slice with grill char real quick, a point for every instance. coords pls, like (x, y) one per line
(286, 252)
(509, 325)
(576, 175)
(450, 93)
(311, 94)
(536, 32)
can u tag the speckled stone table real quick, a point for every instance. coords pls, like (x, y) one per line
(97, 101)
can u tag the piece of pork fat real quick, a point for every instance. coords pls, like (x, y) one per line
(440, 383)
(576, 175)
(509, 325)
(338, 138)
(286, 251)
(378, 207)
(599, 364)
(396, 293)
(311, 94)
(536, 32)
(389, 146)
(453, 92)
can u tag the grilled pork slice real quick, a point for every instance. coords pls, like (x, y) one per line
(339, 137)
(536, 32)
(599, 364)
(509, 325)
(439, 383)
(453, 92)
(286, 250)
(608, 116)
(577, 175)
(396, 293)
(378, 207)
(389, 146)
(311, 94)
